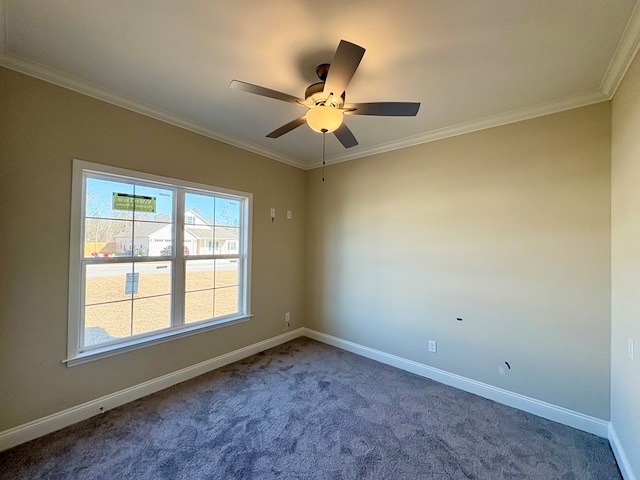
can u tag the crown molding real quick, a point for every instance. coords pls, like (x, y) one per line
(623, 56)
(625, 53)
(72, 83)
(77, 85)
(474, 126)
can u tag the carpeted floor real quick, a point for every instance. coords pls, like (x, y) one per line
(305, 410)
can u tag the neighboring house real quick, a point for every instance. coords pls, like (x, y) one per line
(200, 238)
(148, 239)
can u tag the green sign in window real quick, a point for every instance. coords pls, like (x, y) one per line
(139, 203)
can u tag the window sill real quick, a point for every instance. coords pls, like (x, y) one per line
(124, 347)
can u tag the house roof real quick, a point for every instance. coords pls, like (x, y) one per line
(143, 229)
(203, 232)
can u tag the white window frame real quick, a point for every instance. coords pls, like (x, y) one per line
(75, 355)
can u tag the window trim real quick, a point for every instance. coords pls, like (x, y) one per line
(76, 254)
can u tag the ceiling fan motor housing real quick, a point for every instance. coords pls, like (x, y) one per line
(314, 96)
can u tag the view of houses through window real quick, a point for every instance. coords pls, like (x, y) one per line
(135, 280)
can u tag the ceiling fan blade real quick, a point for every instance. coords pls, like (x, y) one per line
(287, 127)
(344, 135)
(385, 109)
(343, 66)
(265, 92)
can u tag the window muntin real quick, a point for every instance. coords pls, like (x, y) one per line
(133, 286)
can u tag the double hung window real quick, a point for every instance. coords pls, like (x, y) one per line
(142, 264)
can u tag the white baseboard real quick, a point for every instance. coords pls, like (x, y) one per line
(37, 428)
(51, 423)
(621, 456)
(542, 409)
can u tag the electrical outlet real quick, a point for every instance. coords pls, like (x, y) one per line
(433, 346)
(273, 214)
(288, 214)
(287, 319)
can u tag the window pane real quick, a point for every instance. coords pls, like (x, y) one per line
(199, 275)
(227, 212)
(226, 301)
(198, 306)
(198, 220)
(228, 240)
(111, 287)
(226, 273)
(106, 282)
(154, 278)
(150, 314)
(198, 240)
(106, 238)
(198, 209)
(106, 322)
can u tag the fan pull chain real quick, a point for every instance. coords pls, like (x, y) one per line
(324, 136)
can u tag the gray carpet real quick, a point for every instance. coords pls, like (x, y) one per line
(305, 410)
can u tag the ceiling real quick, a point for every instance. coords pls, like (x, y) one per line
(472, 64)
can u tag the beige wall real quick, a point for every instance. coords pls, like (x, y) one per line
(625, 263)
(507, 228)
(42, 128)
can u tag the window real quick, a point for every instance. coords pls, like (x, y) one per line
(130, 285)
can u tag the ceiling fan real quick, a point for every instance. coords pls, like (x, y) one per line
(326, 99)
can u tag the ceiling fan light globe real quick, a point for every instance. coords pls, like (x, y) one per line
(324, 119)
